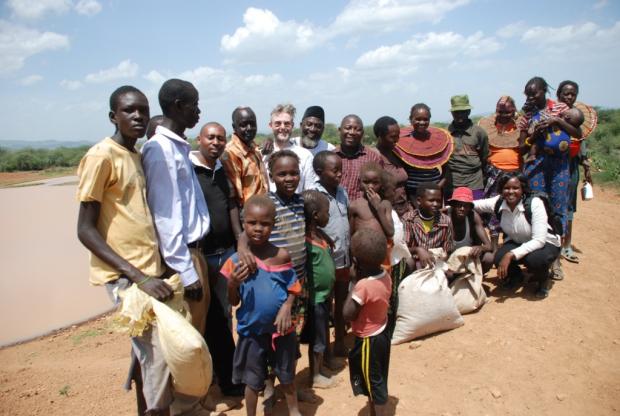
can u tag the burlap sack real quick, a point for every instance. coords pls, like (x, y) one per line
(467, 288)
(425, 304)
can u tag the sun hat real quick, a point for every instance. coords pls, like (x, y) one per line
(463, 194)
(460, 103)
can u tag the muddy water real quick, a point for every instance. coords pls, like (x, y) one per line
(44, 279)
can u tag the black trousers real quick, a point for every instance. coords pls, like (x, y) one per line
(537, 262)
(221, 344)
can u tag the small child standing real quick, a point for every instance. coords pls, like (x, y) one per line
(328, 168)
(366, 307)
(373, 211)
(321, 276)
(264, 324)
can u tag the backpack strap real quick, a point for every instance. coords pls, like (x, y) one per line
(496, 209)
(527, 204)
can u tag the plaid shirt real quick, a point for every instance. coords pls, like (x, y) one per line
(245, 169)
(440, 235)
(351, 166)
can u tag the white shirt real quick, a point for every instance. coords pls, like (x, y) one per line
(176, 201)
(321, 145)
(516, 227)
(307, 176)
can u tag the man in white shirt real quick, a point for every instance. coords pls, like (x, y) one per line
(174, 195)
(312, 127)
(281, 125)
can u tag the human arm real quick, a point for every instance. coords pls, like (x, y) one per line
(382, 210)
(573, 131)
(90, 237)
(234, 212)
(445, 172)
(352, 214)
(283, 319)
(351, 308)
(486, 206)
(164, 200)
(244, 252)
(485, 247)
(539, 231)
(239, 274)
(483, 151)
(424, 256)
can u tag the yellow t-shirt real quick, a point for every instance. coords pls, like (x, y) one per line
(113, 176)
(428, 225)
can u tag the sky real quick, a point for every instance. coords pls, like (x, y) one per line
(61, 59)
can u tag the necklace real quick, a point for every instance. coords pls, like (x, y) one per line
(424, 218)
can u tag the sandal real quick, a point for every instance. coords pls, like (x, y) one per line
(556, 272)
(569, 255)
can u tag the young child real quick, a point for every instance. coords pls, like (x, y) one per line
(116, 226)
(266, 296)
(321, 276)
(366, 308)
(328, 167)
(373, 211)
(427, 227)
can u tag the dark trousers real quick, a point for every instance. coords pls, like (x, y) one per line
(221, 344)
(537, 262)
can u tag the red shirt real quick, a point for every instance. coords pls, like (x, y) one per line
(373, 294)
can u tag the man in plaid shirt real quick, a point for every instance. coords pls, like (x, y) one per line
(354, 154)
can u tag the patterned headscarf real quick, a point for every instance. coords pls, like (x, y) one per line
(506, 103)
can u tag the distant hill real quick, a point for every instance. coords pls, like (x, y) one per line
(41, 144)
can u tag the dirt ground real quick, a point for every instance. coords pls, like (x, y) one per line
(21, 177)
(517, 356)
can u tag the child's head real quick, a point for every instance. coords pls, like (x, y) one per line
(400, 202)
(567, 92)
(371, 177)
(316, 208)
(368, 249)
(387, 132)
(328, 167)
(154, 122)
(129, 112)
(212, 140)
(462, 202)
(284, 172)
(351, 131)
(388, 185)
(573, 116)
(259, 216)
(179, 101)
(430, 198)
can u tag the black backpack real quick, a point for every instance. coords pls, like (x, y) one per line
(553, 219)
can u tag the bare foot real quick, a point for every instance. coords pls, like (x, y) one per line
(219, 404)
(321, 382)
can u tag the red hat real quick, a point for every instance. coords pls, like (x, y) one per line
(463, 194)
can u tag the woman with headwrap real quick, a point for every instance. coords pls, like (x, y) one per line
(504, 155)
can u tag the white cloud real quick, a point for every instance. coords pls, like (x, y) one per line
(30, 80)
(88, 7)
(371, 15)
(17, 43)
(34, 9)
(155, 77)
(259, 80)
(71, 85)
(263, 36)
(429, 47)
(125, 69)
(586, 37)
(512, 30)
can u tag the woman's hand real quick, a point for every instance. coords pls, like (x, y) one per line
(502, 267)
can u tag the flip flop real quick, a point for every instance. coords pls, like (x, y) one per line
(569, 255)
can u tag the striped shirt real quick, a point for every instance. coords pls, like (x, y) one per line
(417, 176)
(351, 165)
(440, 236)
(289, 231)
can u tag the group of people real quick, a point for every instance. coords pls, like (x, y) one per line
(298, 233)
